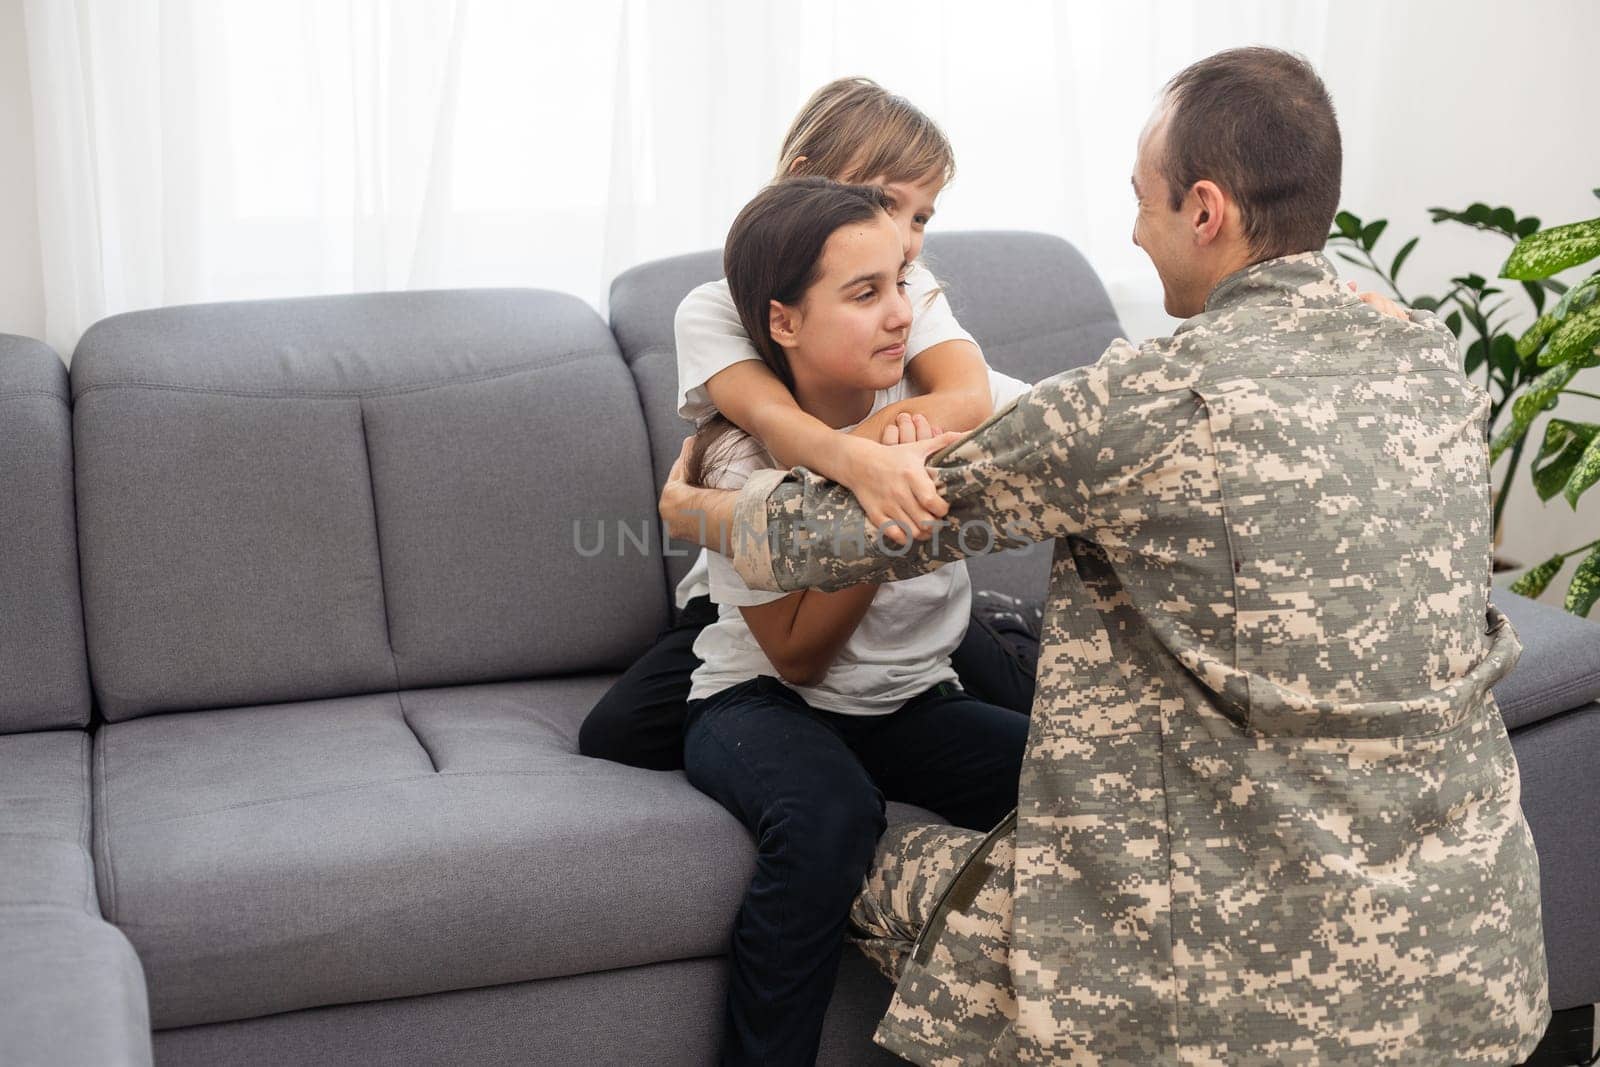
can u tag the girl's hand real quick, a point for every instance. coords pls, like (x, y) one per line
(893, 486)
(1381, 303)
(907, 428)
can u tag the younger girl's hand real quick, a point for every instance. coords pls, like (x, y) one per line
(907, 428)
(893, 486)
(1378, 302)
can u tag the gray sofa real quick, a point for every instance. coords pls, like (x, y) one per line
(302, 603)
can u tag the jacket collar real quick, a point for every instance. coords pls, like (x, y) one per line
(1303, 280)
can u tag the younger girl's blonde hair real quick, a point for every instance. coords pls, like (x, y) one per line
(853, 129)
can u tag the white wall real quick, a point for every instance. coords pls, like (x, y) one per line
(21, 273)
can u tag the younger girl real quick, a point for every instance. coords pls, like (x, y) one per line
(851, 130)
(810, 708)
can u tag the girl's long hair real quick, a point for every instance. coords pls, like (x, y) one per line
(774, 252)
(853, 128)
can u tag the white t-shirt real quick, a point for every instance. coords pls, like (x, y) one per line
(900, 649)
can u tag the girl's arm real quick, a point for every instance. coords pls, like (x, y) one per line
(952, 383)
(803, 633)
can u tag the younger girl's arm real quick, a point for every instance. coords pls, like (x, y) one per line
(951, 381)
(891, 486)
(753, 399)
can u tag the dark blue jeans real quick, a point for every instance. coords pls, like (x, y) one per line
(810, 786)
(639, 721)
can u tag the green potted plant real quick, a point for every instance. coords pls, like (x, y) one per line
(1525, 371)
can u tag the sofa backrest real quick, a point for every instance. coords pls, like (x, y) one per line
(1031, 300)
(44, 678)
(291, 499)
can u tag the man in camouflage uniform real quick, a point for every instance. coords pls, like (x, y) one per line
(1269, 812)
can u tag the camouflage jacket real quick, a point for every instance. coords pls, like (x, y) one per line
(1269, 812)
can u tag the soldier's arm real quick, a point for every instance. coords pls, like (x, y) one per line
(1020, 477)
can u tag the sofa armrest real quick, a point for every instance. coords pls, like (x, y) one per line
(1560, 665)
(71, 991)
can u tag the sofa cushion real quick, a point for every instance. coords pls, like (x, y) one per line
(44, 677)
(292, 499)
(1560, 665)
(1062, 318)
(270, 858)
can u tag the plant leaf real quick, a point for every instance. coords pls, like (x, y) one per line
(1534, 336)
(1584, 588)
(1453, 320)
(1371, 232)
(1578, 297)
(1574, 337)
(1552, 251)
(1506, 437)
(1474, 356)
(1504, 220)
(1585, 474)
(1529, 225)
(1535, 293)
(1349, 225)
(1564, 442)
(1400, 257)
(1503, 356)
(1532, 583)
(1539, 394)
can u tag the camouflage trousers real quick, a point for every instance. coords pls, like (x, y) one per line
(934, 915)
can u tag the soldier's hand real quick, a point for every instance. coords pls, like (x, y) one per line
(678, 498)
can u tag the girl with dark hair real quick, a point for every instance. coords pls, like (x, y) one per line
(809, 709)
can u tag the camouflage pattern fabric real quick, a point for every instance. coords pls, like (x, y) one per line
(935, 917)
(1269, 812)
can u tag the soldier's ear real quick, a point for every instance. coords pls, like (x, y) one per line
(783, 322)
(1210, 208)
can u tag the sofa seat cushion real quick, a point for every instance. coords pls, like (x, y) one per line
(278, 857)
(1560, 665)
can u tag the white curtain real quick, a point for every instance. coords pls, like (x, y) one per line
(198, 150)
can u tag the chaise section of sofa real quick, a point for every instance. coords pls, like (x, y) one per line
(71, 988)
(1549, 703)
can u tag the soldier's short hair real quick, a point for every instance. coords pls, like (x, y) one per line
(1259, 123)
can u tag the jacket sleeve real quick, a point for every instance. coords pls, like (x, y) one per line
(1021, 477)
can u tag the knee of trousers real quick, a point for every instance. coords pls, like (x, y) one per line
(831, 840)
